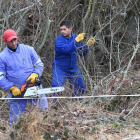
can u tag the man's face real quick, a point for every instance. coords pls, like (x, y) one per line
(66, 32)
(12, 44)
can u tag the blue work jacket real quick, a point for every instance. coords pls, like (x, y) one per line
(66, 50)
(16, 67)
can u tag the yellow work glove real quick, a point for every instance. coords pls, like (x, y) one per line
(32, 77)
(80, 37)
(15, 91)
(91, 41)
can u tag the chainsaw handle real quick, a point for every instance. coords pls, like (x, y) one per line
(37, 82)
(25, 86)
(23, 89)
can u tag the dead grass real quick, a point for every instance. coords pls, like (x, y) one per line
(70, 121)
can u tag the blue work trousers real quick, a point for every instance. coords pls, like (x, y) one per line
(74, 76)
(17, 106)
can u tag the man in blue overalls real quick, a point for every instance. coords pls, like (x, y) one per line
(18, 64)
(67, 46)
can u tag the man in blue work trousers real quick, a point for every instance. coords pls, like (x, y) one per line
(18, 64)
(67, 48)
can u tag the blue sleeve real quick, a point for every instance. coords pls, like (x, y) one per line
(4, 83)
(37, 63)
(82, 50)
(64, 46)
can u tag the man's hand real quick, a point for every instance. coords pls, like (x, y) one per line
(15, 91)
(32, 77)
(80, 37)
(91, 41)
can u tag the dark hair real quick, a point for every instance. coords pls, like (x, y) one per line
(66, 23)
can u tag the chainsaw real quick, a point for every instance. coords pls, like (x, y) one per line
(33, 91)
